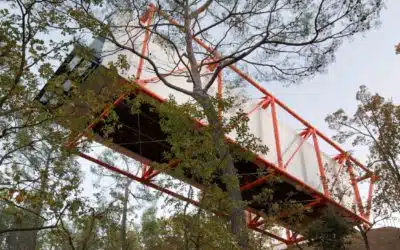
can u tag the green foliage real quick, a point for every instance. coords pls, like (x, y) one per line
(151, 234)
(123, 199)
(38, 185)
(330, 232)
(195, 230)
(185, 133)
(375, 125)
(93, 229)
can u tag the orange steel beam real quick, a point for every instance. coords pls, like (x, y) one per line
(355, 188)
(291, 238)
(267, 101)
(171, 165)
(253, 220)
(138, 179)
(320, 165)
(288, 241)
(264, 103)
(369, 201)
(314, 203)
(146, 170)
(256, 222)
(276, 134)
(266, 164)
(341, 159)
(256, 182)
(145, 42)
(281, 104)
(296, 240)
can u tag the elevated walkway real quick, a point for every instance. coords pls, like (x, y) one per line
(311, 177)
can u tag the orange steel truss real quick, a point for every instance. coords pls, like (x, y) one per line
(254, 218)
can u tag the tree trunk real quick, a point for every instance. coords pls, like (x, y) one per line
(230, 177)
(124, 243)
(236, 216)
(365, 239)
(44, 188)
(21, 240)
(28, 240)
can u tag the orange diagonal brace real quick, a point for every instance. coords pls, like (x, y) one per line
(255, 183)
(305, 134)
(171, 165)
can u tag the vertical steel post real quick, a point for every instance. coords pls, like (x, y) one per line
(276, 133)
(369, 201)
(355, 188)
(304, 136)
(320, 165)
(145, 42)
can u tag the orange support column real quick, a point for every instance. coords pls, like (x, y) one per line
(304, 136)
(355, 188)
(369, 201)
(276, 133)
(320, 165)
(149, 17)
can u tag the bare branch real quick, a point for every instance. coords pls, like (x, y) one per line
(35, 228)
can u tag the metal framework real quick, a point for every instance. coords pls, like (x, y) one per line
(254, 218)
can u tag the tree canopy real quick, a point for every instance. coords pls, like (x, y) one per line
(374, 124)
